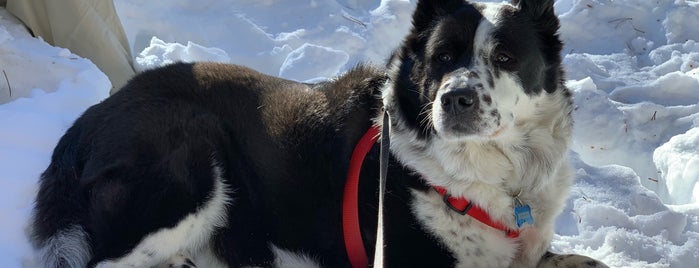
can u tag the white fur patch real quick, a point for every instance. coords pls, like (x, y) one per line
(192, 234)
(287, 259)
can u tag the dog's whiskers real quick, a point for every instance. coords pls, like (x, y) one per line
(425, 114)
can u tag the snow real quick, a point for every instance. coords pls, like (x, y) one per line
(312, 62)
(633, 67)
(159, 53)
(50, 88)
(678, 160)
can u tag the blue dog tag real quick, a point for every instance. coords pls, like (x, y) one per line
(523, 214)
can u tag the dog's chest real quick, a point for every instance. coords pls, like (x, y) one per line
(472, 243)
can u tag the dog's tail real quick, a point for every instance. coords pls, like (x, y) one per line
(67, 248)
(55, 229)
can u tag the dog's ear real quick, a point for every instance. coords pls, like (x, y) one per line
(542, 13)
(428, 10)
(538, 9)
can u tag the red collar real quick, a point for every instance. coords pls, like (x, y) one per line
(466, 207)
(354, 245)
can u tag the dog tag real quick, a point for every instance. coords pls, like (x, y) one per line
(523, 213)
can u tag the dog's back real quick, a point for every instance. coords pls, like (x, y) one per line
(173, 143)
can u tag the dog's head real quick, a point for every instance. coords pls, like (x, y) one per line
(472, 71)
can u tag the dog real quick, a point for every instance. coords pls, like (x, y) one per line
(215, 165)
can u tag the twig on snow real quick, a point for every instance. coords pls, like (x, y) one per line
(619, 21)
(353, 19)
(9, 87)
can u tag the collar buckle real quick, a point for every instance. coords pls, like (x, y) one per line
(448, 201)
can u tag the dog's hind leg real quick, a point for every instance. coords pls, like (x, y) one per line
(192, 234)
(552, 260)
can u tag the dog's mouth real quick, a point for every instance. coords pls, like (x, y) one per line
(467, 127)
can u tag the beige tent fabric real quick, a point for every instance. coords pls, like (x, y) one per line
(89, 28)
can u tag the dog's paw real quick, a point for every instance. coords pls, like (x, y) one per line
(178, 261)
(552, 260)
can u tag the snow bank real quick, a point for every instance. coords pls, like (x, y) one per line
(276, 37)
(634, 72)
(51, 87)
(636, 82)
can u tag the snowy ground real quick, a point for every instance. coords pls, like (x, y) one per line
(633, 66)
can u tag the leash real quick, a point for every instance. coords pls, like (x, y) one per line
(383, 173)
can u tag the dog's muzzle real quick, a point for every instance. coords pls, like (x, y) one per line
(460, 93)
(458, 105)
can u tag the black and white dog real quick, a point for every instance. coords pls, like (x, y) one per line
(215, 165)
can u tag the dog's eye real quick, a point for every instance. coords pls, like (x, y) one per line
(503, 58)
(445, 58)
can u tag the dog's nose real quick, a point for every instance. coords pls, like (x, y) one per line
(459, 100)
